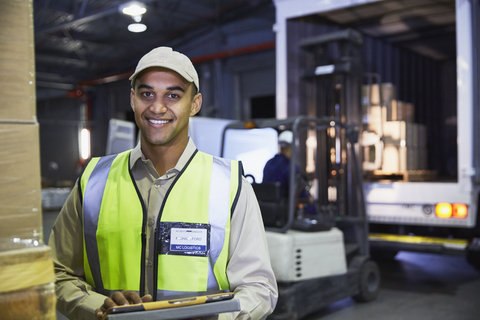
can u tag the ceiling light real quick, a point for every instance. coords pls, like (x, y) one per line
(137, 27)
(85, 144)
(133, 8)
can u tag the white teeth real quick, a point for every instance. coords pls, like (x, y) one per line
(158, 121)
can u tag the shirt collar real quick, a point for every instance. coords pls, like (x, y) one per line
(137, 154)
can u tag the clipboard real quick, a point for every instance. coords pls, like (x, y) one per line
(184, 308)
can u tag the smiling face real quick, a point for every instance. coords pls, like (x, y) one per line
(163, 102)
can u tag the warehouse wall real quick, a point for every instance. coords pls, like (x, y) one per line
(59, 126)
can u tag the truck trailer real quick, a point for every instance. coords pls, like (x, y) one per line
(420, 133)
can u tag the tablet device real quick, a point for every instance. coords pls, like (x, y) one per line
(165, 304)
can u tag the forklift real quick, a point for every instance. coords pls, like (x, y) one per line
(323, 257)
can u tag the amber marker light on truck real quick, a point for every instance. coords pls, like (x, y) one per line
(250, 125)
(459, 210)
(443, 210)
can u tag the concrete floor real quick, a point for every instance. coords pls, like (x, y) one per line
(414, 286)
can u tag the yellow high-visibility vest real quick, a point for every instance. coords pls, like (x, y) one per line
(200, 201)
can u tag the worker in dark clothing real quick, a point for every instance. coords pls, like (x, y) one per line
(277, 169)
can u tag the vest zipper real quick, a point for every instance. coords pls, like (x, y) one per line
(144, 234)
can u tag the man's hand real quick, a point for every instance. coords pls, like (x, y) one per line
(122, 298)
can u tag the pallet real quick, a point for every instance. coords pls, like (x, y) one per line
(27, 288)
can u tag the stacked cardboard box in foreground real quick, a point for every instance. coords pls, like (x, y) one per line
(26, 269)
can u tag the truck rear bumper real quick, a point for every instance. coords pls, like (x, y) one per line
(391, 242)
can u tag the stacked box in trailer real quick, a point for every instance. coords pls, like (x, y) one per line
(439, 87)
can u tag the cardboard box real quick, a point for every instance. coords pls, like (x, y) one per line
(372, 93)
(394, 159)
(20, 190)
(422, 158)
(375, 117)
(397, 133)
(17, 62)
(405, 134)
(403, 111)
(398, 159)
(422, 135)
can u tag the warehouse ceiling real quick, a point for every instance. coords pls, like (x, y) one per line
(78, 41)
(423, 26)
(82, 41)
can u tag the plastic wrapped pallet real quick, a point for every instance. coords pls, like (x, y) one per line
(27, 284)
(20, 194)
(17, 62)
(20, 198)
(26, 269)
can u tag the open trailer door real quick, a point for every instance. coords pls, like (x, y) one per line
(428, 53)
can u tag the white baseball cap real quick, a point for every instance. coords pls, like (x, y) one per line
(286, 137)
(165, 57)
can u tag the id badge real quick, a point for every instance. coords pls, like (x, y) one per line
(187, 239)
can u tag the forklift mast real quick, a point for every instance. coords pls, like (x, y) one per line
(334, 74)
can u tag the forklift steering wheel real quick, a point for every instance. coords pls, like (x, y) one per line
(250, 176)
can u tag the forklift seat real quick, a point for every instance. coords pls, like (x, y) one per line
(273, 201)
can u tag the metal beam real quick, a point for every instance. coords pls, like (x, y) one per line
(79, 21)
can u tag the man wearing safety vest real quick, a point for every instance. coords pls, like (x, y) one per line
(163, 220)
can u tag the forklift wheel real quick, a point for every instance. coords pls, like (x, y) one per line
(369, 283)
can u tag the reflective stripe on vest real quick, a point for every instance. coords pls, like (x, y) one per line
(114, 222)
(217, 183)
(113, 225)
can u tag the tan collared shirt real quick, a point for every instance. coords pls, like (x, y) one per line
(249, 271)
